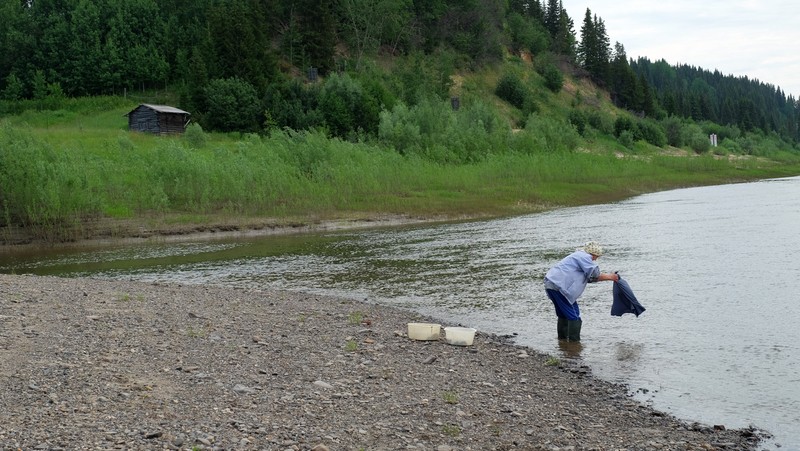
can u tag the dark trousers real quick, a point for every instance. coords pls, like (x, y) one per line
(563, 308)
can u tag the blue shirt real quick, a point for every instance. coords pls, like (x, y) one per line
(571, 275)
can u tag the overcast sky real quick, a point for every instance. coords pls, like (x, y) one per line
(759, 39)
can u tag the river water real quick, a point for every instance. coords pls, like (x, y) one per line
(716, 268)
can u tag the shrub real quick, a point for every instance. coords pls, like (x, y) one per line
(600, 122)
(433, 130)
(553, 79)
(673, 131)
(195, 136)
(699, 143)
(623, 123)
(626, 138)
(292, 105)
(346, 108)
(651, 132)
(232, 105)
(696, 138)
(578, 119)
(511, 89)
(550, 135)
(527, 34)
(14, 89)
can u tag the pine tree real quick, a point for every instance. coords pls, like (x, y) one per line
(564, 40)
(594, 51)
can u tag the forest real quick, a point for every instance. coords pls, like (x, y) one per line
(245, 65)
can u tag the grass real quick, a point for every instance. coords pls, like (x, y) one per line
(450, 397)
(67, 171)
(451, 430)
(355, 317)
(552, 361)
(351, 346)
(196, 333)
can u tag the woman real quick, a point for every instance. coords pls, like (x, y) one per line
(565, 282)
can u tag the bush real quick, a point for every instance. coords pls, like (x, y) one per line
(673, 131)
(346, 108)
(511, 89)
(195, 136)
(232, 105)
(14, 89)
(292, 105)
(550, 135)
(626, 139)
(419, 76)
(651, 132)
(528, 34)
(730, 145)
(698, 142)
(622, 124)
(553, 79)
(578, 119)
(600, 122)
(437, 133)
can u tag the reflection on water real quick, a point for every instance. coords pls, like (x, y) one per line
(714, 266)
(570, 349)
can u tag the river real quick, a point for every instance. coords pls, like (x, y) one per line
(714, 266)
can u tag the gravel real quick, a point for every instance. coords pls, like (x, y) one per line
(94, 364)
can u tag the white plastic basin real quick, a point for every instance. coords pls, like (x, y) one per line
(424, 331)
(459, 336)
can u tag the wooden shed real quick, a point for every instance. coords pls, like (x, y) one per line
(158, 119)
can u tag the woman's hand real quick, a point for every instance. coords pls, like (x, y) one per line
(612, 277)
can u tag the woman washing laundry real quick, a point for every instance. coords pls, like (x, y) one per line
(564, 283)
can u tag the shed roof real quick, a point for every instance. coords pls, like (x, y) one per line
(162, 108)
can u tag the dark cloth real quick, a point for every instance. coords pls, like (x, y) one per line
(624, 300)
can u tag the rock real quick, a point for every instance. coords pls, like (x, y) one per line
(243, 390)
(322, 384)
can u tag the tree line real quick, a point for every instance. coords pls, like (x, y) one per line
(245, 64)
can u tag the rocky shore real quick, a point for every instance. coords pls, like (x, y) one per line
(92, 364)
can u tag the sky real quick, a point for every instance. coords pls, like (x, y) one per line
(757, 39)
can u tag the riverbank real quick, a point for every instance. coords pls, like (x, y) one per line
(90, 364)
(164, 230)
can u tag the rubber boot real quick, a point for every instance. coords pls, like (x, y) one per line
(562, 328)
(574, 330)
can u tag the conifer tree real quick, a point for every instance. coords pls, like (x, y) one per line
(594, 51)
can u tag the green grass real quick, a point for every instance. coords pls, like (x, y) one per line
(64, 170)
(552, 361)
(355, 318)
(351, 346)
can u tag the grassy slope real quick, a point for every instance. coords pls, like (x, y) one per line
(234, 183)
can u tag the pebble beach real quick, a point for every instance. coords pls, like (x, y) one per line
(97, 365)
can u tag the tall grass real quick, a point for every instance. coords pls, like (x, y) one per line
(62, 170)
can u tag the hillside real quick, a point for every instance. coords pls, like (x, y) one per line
(481, 111)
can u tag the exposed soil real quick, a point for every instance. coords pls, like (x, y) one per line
(90, 364)
(164, 228)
